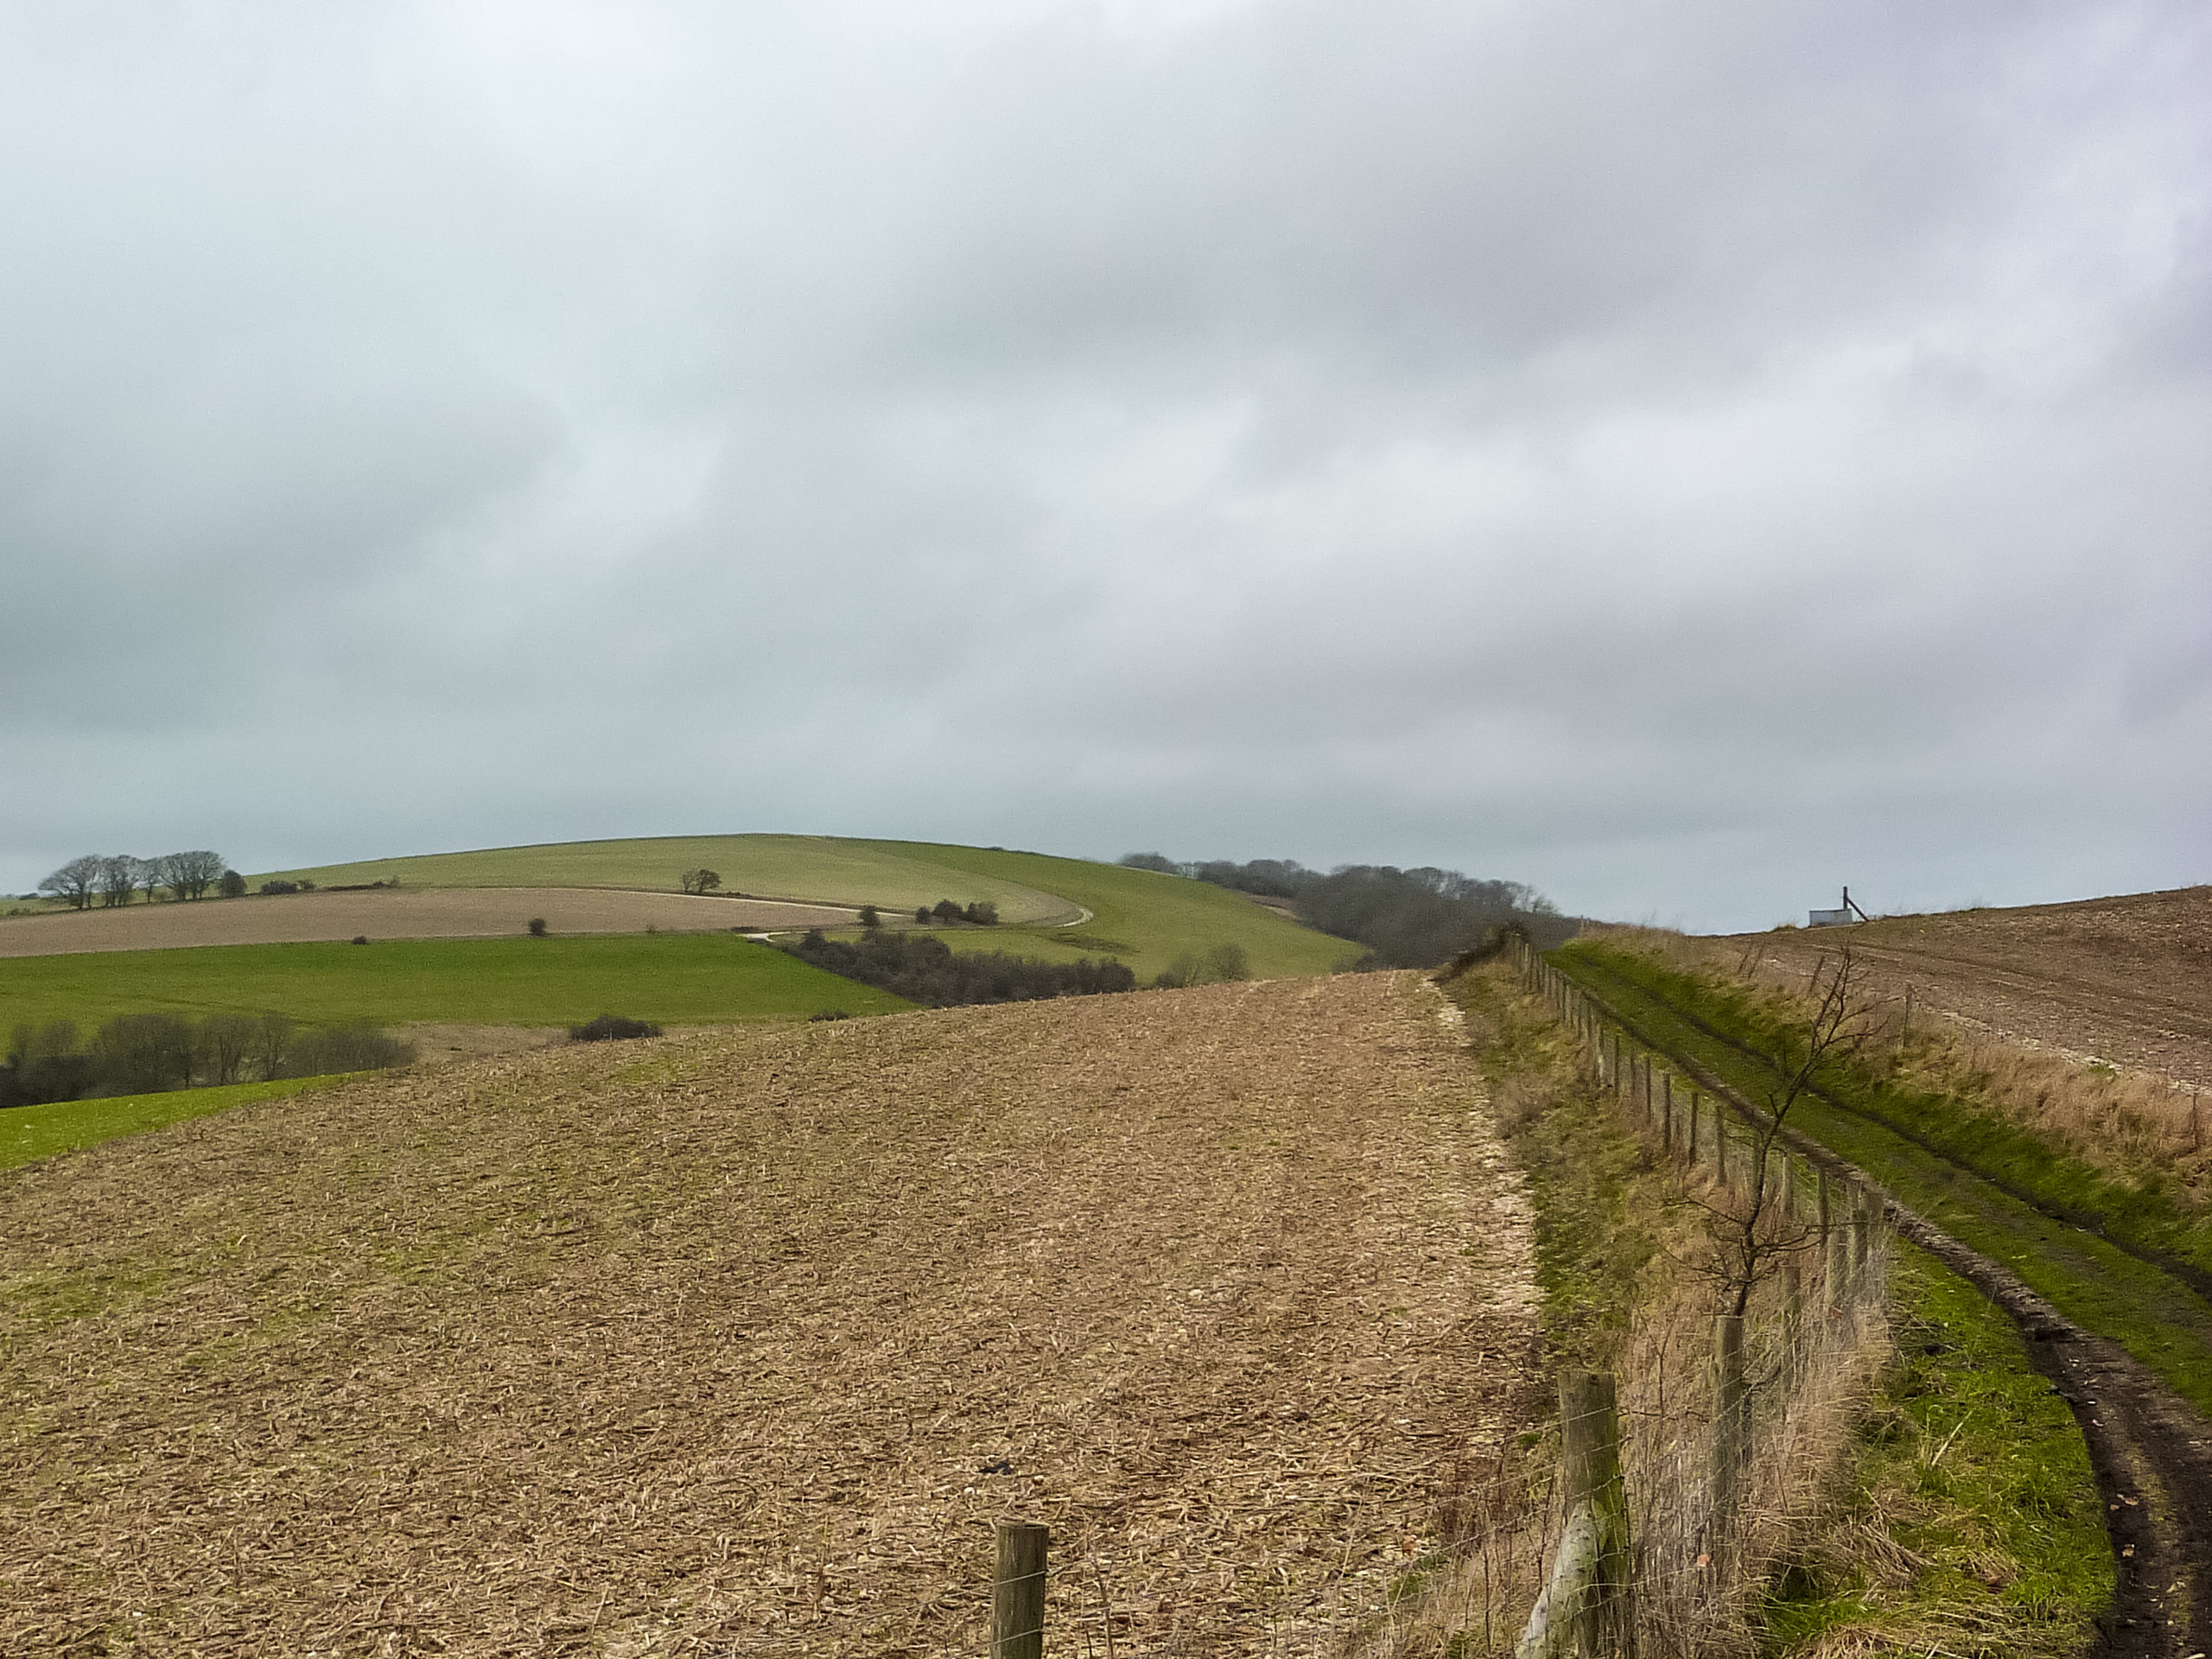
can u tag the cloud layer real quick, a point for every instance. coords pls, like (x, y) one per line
(1681, 459)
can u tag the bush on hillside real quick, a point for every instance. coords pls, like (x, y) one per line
(610, 1027)
(1223, 964)
(982, 914)
(929, 971)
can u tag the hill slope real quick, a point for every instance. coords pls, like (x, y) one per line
(820, 869)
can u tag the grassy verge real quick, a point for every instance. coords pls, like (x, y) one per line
(32, 1132)
(2157, 1318)
(1605, 1210)
(671, 978)
(1966, 1516)
(1968, 1523)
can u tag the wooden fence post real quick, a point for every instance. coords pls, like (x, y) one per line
(1588, 1606)
(1864, 1211)
(1835, 1251)
(1731, 1430)
(1666, 1083)
(1018, 1591)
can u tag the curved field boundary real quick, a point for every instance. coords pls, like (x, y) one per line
(2151, 1450)
(397, 913)
(806, 869)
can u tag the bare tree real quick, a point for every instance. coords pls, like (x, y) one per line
(189, 875)
(272, 1038)
(1750, 1241)
(76, 882)
(119, 879)
(225, 1041)
(148, 874)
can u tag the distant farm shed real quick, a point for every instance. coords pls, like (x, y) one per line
(1842, 918)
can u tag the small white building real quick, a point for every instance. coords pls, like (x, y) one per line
(1842, 918)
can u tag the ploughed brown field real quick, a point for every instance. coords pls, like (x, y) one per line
(738, 1342)
(396, 913)
(2127, 980)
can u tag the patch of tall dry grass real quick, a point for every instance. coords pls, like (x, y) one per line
(2134, 1124)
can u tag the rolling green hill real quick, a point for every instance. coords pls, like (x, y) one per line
(818, 868)
(1139, 917)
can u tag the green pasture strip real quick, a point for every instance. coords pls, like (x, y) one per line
(1971, 1463)
(669, 978)
(32, 1132)
(2156, 1316)
(1140, 918)
(817, 869)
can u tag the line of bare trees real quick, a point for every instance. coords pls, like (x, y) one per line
(150, 1054)
(107, 879)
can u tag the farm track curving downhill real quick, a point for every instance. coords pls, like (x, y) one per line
(2150, 1448)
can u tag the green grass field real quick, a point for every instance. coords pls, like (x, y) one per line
(670, 978)
(30, 1132)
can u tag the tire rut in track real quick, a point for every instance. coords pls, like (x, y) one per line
(2151, 1450)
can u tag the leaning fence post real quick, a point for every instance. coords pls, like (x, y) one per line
(1018, 1591)
(1667, 1084)
(1588, 1606)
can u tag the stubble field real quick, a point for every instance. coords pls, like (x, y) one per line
(738, 1343)
(397, 913)
(2125, 979)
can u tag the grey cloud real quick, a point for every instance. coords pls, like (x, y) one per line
(1679, 458)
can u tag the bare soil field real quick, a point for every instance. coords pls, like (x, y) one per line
(737, 1342)
(397, 913)
(2127, 980)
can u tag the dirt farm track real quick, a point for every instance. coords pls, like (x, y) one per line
(737, 1342)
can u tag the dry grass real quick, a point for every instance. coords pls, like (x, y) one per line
(738, 1343)
(1810, 1376)
(396, 913)
(2128, 1122)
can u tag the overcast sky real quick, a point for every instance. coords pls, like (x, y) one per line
(1685, 457)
